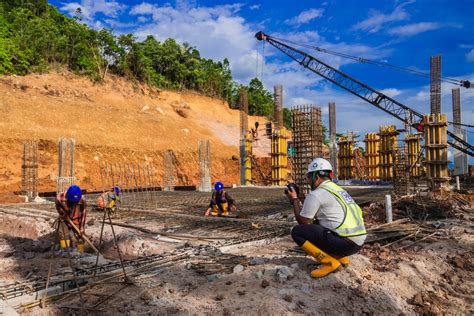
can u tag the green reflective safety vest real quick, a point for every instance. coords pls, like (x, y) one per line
(353, 223)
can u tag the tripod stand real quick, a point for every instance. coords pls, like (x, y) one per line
(107, 211)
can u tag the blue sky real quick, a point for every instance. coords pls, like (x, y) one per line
(404, 33)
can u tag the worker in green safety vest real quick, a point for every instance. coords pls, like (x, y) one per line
(330, 224)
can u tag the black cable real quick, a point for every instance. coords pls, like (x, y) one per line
(462, 83)
(460, 124)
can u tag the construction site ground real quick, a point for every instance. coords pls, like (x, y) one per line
(245, 264)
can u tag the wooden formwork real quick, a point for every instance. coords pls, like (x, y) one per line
(372, 144)
(387, 149)
(413, 145)
(436, 149)
(345, 158)
(279, 157)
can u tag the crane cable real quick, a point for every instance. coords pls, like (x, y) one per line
(462, 83)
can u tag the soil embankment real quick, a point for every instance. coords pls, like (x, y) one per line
(117, 121)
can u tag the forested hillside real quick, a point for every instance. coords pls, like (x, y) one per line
(35, 37)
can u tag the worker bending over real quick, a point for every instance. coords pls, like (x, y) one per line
(71, 206)
(331, 227)
(109, 200)
(221, 202)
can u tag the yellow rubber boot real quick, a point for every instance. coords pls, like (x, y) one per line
(329, 264)
(344, 261)
(80, 247)
(62, 244)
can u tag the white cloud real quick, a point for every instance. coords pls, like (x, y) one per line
(217, 32)
(305, 17)
(377, 20)
(470, 56)
(391, 92)
(185, 5)
(254, 7)
(90, 8)
(413, 29)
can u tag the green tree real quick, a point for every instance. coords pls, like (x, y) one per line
(287, 118)
(260, 99)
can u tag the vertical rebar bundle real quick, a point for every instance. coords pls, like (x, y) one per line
(307, 142)
(360, 165)
(278, 106)
(460, 158)
(372, 143)
(168, 171)
(387, 151)
(138, 183)
(332, 138)
(244, 108)
(435, 84)
(401, 180)
(279, 157)
(456, 97)
(436, 149)
(29, 170)
(66, 148)
(204, 152)
(413, 145)
(346, 157)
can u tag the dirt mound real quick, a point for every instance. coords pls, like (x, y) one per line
(115, 121)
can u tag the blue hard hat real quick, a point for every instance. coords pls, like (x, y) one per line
(218, 186)
(74, 193)
(117, 190)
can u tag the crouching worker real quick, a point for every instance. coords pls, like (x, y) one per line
(221, 202)
(331, 227)
(71, 206)
(109, 200)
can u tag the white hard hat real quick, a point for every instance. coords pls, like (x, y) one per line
(319, 164)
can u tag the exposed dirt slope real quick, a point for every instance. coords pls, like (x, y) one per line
(116, 121)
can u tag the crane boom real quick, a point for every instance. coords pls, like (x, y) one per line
(360, 89)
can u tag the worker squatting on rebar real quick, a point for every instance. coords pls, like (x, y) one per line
(71, 206)
(221, 202)
(330, 224)
(109, 200)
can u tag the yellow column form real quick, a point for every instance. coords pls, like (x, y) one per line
(413, 143)
(345, 158)
(436, 149)
(388, 146)
(279, 157)
(372, 143)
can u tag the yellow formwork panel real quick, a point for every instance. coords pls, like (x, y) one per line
(413, 144)
(345, 159)
(248, 159)
(387, 149)
(436, 148)
(279, 157)
(372, 143)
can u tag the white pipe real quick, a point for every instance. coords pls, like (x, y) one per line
(458, 185)
(388, 208)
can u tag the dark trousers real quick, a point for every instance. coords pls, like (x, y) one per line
(325, 239)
